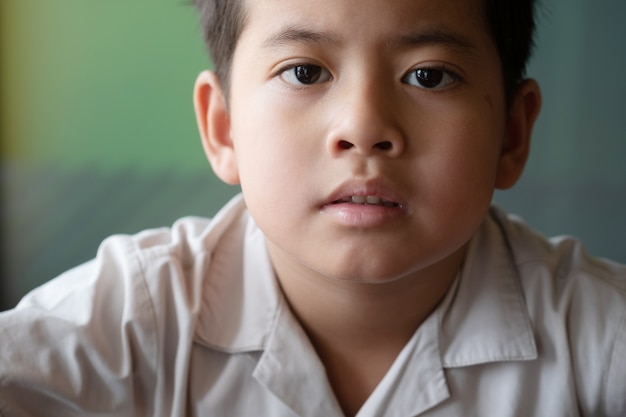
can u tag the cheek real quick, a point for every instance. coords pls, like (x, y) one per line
(275, 140)
(276, 156)
(271, 158)
(460, 156)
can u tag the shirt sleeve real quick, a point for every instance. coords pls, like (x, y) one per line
(616, 378)
(82, 344)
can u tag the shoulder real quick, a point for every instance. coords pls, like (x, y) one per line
(577, 304)
(125, 266)
(559, 278)
(113, 320)
(183, 242)
(562, 258)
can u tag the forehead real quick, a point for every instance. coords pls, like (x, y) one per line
(363, 19)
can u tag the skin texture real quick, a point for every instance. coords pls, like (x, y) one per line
(361, 278)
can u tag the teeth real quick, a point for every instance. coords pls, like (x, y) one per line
(371, 199)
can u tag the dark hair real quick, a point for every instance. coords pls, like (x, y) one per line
(222, 22)
(512, 25)
(511, 22)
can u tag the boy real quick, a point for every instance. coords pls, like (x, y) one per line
(362, 272)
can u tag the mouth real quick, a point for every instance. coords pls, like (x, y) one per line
(365, 204)
(368, 200)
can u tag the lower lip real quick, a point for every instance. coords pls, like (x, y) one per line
(362, 215)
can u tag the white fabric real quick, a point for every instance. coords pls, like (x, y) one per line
(190, 322)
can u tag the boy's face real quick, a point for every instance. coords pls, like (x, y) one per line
(398, 103)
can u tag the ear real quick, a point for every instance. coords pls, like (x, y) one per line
(214, 125)
(516, 145)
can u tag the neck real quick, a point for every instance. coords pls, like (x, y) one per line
(359, 329)
(349, 311)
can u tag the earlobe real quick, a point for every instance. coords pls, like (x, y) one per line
(520, 121)
(214, 126)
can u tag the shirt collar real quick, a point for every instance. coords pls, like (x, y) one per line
(243, 310)
(240, 296)
(483, 317)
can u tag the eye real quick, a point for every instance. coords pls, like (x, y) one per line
(429, 78)
(305, 75)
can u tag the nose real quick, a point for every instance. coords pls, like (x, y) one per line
(366, 122)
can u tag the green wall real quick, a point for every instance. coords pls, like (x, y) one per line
(99, 137)
(105, 84)
(575, 182)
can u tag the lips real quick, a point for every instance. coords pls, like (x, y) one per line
(372, 192)
(359, 204)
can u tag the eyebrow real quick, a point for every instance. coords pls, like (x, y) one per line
(437, 37)
(296, 34)
(431, 37)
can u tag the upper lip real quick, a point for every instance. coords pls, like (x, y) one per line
(365, 188)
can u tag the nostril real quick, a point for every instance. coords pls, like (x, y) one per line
(343, 144)
(385, 146)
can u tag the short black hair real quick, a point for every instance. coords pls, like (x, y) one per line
(222, 23)
(511, 23)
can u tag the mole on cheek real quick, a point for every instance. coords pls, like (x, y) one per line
(489, 100)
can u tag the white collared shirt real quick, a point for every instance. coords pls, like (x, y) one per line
(189, 321)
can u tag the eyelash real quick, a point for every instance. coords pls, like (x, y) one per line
(284, 70)
(445, 72)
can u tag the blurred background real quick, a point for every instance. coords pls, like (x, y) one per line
(99, 137)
